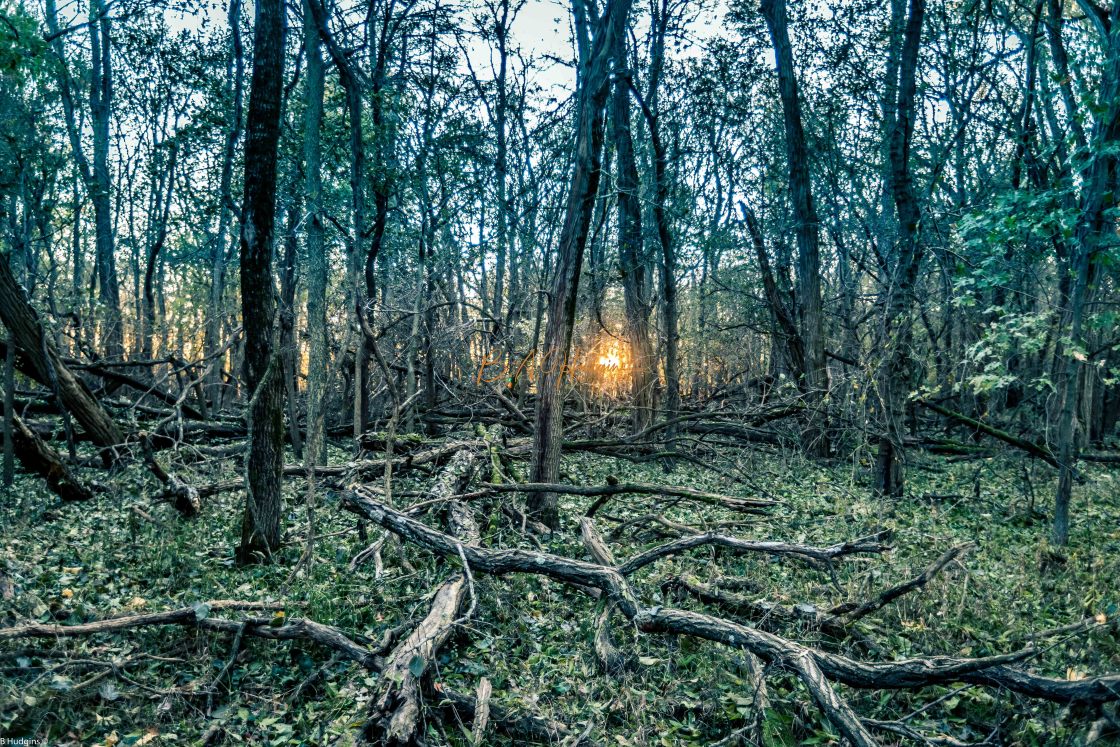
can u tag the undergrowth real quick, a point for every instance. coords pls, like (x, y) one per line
(530, 636)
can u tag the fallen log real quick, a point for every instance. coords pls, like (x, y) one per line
(395, 706)
(1036, 450)
(606, 492)
(38, 457)
(817, 669)
(39, 360)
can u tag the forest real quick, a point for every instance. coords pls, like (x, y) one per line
(569, 372)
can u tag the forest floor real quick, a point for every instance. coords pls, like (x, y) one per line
(531, 636)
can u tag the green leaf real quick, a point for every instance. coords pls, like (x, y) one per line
(416, 665)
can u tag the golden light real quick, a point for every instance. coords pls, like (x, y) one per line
(608, 366)
(610, 359)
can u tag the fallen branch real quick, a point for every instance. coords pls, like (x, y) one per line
(395, 706)
(1037, 450)
(38, 457)
(817, 669)
(605, 492)
(870, 544)
(853, 612)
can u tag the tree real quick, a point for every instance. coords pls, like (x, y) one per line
(595, 61)
(96, 176)
(1098, 199)
(814, 376)
(261, 525)
(893, 380)
(632, 263)
(317, 261)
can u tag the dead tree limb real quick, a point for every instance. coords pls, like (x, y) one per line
(1036, 450)
(38, 457)
(870, 544)
(612, 660)
(852, 611)
(396, 705)
(817, 669)
(605, 492)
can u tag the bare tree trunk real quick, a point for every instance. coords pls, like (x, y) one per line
(100, 104)
(260, 528)
(1093, 226)
(583, 187)
(95, 176)
(632, 262)
(359, 298)
(668, 264)
(289, 322)
(317, 261)
(167, 188)
(893, 374)
(814, 376)
(235, 73)
(9, 411)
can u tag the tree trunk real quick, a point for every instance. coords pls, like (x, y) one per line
(318, 266)
(154, 250)
(359, 297)
(260, 529)
(814, 376)
(235, 73)
(668, 265)
(582, 190)
(9, 411)
(893, 373)
(1094, 226)
(40, 360)
(632, 264)
(100, 104)
(289, 321)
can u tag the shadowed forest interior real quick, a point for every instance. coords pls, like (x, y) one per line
(603, 372)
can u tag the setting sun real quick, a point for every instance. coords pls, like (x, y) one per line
(610, 360)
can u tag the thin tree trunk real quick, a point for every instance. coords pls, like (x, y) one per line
(157, 244)
(583, 188)
(235, 74)
(317, 261)
(814, 377)
(261, 526)
(100, 104)
(631, 262)
(9, 411)
(289, 322)
(893, 374)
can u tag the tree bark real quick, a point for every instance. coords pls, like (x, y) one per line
(893, 374)
(814, 376)
(1094, 224)
(260, 528)
(100, 105)
(632, 263)
(40, 360)
(317, 261)
(235, 74)
(582, 189)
